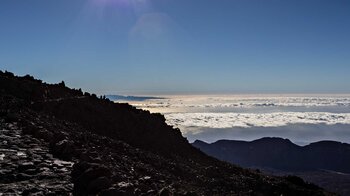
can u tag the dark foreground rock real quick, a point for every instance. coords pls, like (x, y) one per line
(116, 150)
(27, 167)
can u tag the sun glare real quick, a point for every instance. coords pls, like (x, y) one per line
(118, 2)
(138, 6)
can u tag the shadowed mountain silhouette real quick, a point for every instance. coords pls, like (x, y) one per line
(115, 149)
(281, 154)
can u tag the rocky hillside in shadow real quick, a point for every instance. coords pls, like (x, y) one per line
(58, 141)
(325, 163)
(281, 154)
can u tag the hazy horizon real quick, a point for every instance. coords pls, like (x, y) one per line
(251, 94)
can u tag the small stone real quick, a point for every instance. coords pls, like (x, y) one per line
(2, 156)
(25, 166)
(145, 178)
(151, 192)
(21, 154)
(124, 184)
(164, 192)
(31, 171)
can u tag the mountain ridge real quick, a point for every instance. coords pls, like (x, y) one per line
(325, 163)
(328, 155)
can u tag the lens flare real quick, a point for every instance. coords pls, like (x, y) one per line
(139, 7)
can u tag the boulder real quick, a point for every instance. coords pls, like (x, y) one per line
(90, 178)
(63, 149)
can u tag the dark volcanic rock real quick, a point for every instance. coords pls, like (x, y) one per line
(99, 184)
(90, 178)
(25, 168)
(165, 192)
(63, 149)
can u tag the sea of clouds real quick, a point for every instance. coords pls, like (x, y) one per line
(247, 102)
(246, 120)
(234, 116)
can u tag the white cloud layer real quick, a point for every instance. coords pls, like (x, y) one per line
(301, 118)
(246, 120)
(247, 102)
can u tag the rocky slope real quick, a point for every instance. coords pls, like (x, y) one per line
(28, 167)
(115, 150)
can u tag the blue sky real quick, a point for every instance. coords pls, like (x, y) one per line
(180, 46)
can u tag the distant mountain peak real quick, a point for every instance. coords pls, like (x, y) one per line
(282, 154)
(130, 98)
